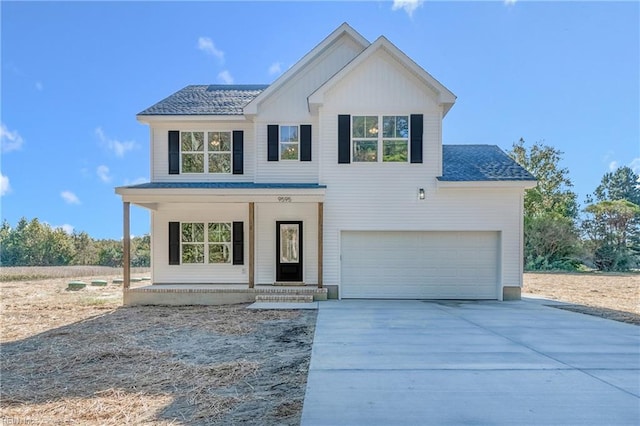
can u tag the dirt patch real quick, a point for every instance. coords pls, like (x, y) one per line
(611, 296)
(80, 358)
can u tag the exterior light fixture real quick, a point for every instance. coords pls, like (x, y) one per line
(421, 194)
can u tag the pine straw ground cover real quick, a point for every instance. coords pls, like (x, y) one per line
(611, 296)
(80, 358)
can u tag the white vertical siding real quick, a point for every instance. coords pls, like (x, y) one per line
(289, 107)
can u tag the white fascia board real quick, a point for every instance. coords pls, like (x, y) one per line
(445, 96)
(495, 184)
(252, 107)
(149, 119)
(143, 196)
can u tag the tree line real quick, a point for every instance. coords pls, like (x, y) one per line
(559, 235)
(33, 243)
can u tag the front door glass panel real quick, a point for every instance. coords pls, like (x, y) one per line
(289, 243)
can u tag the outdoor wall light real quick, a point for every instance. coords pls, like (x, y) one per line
(421, 194)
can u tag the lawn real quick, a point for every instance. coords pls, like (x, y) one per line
(79, 357)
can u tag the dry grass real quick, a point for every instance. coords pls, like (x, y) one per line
(81, 358)
(24, 273)
(613, 296)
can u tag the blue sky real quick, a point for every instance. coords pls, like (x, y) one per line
(75, 74)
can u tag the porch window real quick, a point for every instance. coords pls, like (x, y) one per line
(370, 143)
(212, 246)
(219, 242)
(212, 157)
(289, 143)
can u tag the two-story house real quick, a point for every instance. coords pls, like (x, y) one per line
(335, 176)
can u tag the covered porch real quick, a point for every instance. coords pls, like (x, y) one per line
(220, 294)
(260, 210)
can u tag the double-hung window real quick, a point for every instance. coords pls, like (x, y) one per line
(289, 143)
(205, 242)
(212, 157)
(378, 138)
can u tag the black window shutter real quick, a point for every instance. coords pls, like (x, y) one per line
(238, 243)
(272, 142)
(344, 139)
(174, 152)
(174, 243)
(305, 142)
(238, 152)
(416, 138)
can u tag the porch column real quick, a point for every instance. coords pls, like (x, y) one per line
(126, 245)
(320, 242)
(252, 245)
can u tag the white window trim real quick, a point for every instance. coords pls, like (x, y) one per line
(207, 243)
(206, 152)
(380, 138)
(280, 142)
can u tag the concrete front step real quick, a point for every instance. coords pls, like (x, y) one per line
(284, 298)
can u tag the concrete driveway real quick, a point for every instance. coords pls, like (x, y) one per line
(470, 363)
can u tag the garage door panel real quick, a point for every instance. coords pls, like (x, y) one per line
(420, 265)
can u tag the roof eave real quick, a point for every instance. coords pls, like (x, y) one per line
(165, 118)
(510, 183)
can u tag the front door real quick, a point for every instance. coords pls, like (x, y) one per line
(288, 251)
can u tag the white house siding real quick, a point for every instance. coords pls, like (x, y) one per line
(286, 171)
(444, 210)
(384, 196)
(266, 215)
(200, 273)
(288, 106)
(160, 150)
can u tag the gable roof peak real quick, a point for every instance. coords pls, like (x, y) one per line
(343, 30)
(445, 97)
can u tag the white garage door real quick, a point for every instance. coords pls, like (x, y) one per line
(420, 265)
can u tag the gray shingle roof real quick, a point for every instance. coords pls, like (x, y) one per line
(207, 100)
(462, 163)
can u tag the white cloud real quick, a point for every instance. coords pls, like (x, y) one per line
(39, 86)
(119, 148)
(69, 197)
(206, 45)
(66, 228)
(635, 165)
(225, 77)
(103, 173)
(5, 188)
(275, 68)
(10, 141)
(613, 166)
(510, 2)
(136, 181)
(408, 6)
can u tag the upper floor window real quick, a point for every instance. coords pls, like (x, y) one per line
(289, 143)
(372, 144)
(214, 156)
